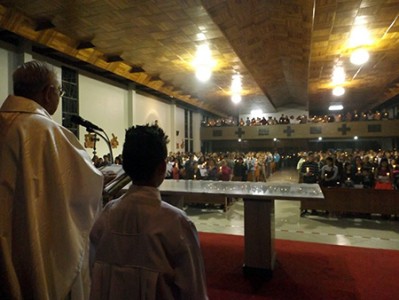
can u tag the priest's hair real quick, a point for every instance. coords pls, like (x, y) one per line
(31, 78)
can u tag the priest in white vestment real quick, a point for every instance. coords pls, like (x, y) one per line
(144, 248)
(50, 194)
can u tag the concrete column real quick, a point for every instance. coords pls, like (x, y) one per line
(131, 108)
(173, 137)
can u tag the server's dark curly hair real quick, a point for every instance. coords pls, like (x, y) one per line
(144, 149)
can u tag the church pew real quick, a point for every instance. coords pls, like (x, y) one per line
(356, 201)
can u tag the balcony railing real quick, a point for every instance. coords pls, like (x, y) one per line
(344, 130)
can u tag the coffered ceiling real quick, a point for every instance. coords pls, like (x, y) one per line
(286, 51)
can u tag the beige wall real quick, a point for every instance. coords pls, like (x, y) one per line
(5, 78)
(106, 106)
(110, 106)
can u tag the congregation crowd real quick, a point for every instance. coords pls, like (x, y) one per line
(359, 168)
(253, 166)
(302, 119)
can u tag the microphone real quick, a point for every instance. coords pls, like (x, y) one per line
(80, 121)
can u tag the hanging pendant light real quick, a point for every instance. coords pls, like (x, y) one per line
(359, 56)
(236, 88)
(203, 63)
(338, 91)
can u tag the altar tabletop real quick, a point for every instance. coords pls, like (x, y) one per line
(244, 189)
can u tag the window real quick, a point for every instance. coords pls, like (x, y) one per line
(70, 100)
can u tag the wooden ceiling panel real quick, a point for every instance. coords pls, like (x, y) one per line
(285, 51)
(260, 32)
(330, 49)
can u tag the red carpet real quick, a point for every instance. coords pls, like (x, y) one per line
(303, 271)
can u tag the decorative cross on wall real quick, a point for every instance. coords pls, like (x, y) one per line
(240, 132)
(344, 129)
(289, 130)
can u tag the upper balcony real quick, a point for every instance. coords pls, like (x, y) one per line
(336, 130)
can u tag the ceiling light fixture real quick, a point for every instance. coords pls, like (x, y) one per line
(236, 98)
(236, 88)
(338, 91)
(256, 113)
(203, 73)
(359, 36)
(359, 56)
(203, 63)
(236, 84)
(338, 76)
(201, 36)
(336, 107)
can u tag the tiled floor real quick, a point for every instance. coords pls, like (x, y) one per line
(372, 233)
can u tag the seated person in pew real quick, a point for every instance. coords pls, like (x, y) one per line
(367, 178)
(348, 175)
(309, 173)
(329, 173)
(383, 176)
(310, 170)
(239, 170)
(395, 174)
(225, 173)
(194, 172)
(212, 170)
(142, 247)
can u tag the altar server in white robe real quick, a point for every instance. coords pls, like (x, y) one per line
(50, 194)
(145, 248)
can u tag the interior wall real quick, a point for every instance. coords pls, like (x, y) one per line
(9, 61)
(179, 124)
(197, 118)
(5, 78)
(170, 118)
(148, 110)
(106, 106)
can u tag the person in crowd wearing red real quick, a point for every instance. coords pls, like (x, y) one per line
(225, 173)
(383, 176)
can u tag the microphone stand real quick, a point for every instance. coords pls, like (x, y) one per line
(113, 189)
(95, 142)
(106, 139)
